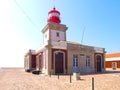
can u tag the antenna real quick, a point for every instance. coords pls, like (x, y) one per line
(82, 35)
(54, 3)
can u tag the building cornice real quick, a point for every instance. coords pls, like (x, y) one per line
(54, 26)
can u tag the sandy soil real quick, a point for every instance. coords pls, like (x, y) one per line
(17, 79)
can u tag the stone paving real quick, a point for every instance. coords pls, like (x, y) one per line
(17, 79)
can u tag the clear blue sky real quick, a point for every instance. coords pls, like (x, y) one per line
(21, 24)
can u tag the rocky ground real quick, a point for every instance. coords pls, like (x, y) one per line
(17, 79)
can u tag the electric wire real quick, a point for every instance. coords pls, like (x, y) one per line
(27, 16)
(24, 12)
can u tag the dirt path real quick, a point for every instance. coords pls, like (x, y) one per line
(17, 79)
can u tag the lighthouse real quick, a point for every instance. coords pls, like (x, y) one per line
(54, 16)
(57, 55)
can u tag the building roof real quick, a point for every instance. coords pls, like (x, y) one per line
(112, 55)
(53, 26)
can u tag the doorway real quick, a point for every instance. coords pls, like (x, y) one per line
(114, 65)
(99, 63)
(59, 66)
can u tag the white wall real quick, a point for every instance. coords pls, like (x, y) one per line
(55, 38)
(46, 36)
(113, 59)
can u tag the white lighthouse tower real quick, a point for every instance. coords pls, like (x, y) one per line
(54, 31)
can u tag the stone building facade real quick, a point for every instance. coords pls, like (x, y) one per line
(59, 56)
(30, 60)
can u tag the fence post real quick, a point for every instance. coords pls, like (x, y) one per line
(50, 74)
(70, 79)
(92, 83)
(58, 76)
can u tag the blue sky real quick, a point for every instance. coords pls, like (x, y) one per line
(18, 33)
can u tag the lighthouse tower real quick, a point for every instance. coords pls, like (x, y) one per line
(54, 31)
(54, 36)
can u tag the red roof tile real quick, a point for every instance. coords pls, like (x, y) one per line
(112, 55)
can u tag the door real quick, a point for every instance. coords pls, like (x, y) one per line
(33, 61)
(114, 65)
(59, 63)
(41, 61)
(98, 63)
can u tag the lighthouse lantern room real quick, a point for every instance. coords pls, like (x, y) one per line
(54, 16)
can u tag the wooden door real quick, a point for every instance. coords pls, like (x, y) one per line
(98, 63)
(33, 61)
(59, 63)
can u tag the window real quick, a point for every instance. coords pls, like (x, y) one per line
(75, 60)
(45, 35)
(57, 34)
(87, 61)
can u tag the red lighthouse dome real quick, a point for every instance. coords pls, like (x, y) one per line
(54, 16)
